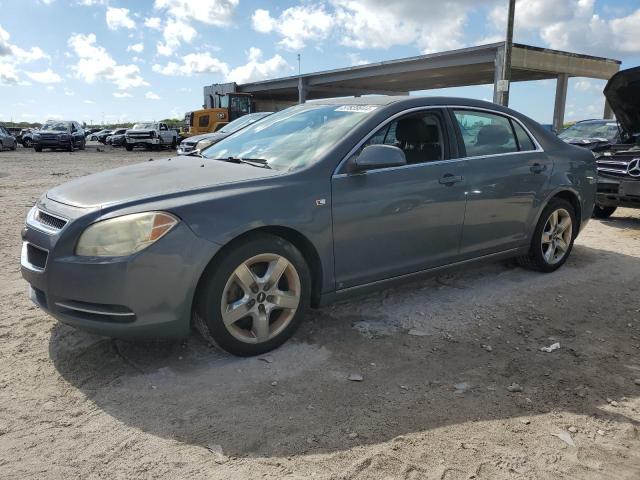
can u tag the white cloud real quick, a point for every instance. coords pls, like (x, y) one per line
(181, 14)
(212, 12)
(8, 74)
(89, 102)
(356, 60)
(119, 18)
(95, 63)
(11, 56)
(175, 32)
(153, 23)
(193, 63)
(122, 95)
(255, 70)
(46, 76)
(152, 96)
(69, 93)
(296, 25)
(136, 47)
(574, 25)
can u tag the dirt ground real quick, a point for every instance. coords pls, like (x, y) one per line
(436, 357)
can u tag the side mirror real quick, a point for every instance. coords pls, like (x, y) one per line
(377, 156)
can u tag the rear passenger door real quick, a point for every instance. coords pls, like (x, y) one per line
(506, 172)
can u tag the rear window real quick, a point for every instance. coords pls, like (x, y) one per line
(485, 133)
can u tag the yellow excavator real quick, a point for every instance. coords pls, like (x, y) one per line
(228, 107)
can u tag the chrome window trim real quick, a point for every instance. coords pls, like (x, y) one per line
(41, 227)
(538, 148)
(24, 258)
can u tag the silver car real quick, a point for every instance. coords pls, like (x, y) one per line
(7, 140)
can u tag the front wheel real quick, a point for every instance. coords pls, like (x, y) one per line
(553, 237)
(253, 297)
(26, 143)
(603, 212)
(129, 148)
(37, 148)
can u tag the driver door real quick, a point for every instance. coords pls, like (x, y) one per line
(399, 220)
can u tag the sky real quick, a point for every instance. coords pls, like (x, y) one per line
(117, 61)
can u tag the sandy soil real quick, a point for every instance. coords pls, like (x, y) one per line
(433, 402)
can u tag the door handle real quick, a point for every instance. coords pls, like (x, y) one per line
(538, 168)
(449, 179)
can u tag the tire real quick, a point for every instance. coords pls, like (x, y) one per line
(83, 144)
(27, 143)
(548, 256)
(174, 144)
(14, 146)
(220, 287)
(603, 212)
(129, 148)
(1, 146)
(70, 148)
(37, 148)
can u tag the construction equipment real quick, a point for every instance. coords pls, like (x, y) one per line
(226, 108)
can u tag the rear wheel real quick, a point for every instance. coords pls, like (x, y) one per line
(129, 148)
(603, 212)
(253, 298)
(553, 237)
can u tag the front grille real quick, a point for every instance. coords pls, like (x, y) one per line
(137, 136)
(36, 256)
(50, 221)
(617, 164)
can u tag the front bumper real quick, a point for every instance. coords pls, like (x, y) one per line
(142, 141)
(147, 295)
(618, 192)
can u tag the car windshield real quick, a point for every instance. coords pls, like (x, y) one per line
(608, 130)
(144, 126)
(55, 127)
(242, 122)
(293, 138)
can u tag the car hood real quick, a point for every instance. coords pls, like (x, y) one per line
(623, 94)
(152, 179)
(215, 137)
(589, 143)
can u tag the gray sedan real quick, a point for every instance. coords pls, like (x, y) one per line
(7, 140)
(314, 203)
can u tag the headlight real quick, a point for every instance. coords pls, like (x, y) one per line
(202, 144)
(63, 136)
(121, 236)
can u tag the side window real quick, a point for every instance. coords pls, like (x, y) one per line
(485, 133)
(524, 141)
(419, 135)
(203, 121)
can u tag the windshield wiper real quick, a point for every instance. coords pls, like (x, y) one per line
(256, 162)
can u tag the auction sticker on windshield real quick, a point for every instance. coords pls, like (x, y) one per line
(356, 108)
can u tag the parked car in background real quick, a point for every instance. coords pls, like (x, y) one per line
(55, 134)
(117, 137)
(596, 135)
(90, 131)
(311, 204)
(619, 162)
(25, 137)
(150, 135)
(102, 136)
(94, 136)
(6, 139)
(200, 142)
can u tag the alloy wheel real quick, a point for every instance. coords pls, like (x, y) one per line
(556, 236)
(260, 298)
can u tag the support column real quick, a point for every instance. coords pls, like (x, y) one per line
(608, 113)
(302, 91)
(561, 101)
(497, 74)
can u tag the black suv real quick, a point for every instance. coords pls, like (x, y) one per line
(54, 134)
(619, 163)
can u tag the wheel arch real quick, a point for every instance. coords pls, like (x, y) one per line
(297, 239)
(568, 194)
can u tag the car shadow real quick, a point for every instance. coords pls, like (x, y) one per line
(426, 370)
(622, 221)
